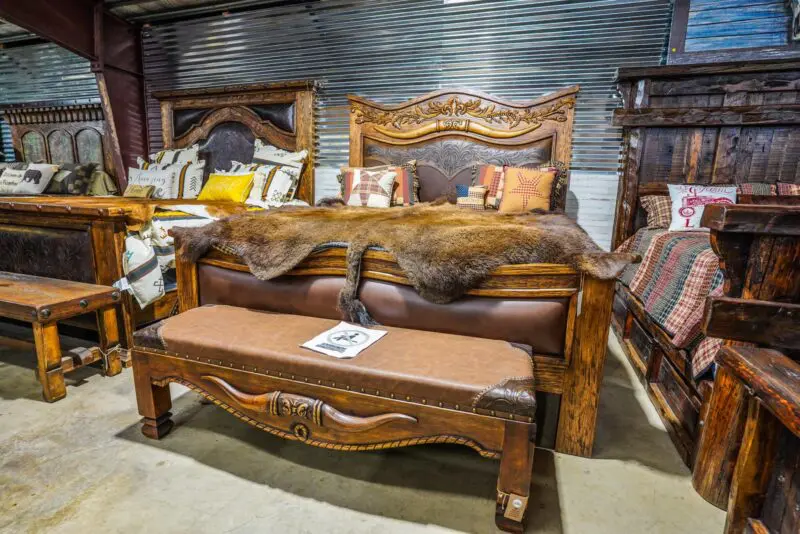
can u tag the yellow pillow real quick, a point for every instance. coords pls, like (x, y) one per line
(526, 189)
(234, 187)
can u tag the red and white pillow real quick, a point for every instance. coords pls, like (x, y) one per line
(372, 189)
(689, 202)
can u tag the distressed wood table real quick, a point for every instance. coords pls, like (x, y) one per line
(45, 301)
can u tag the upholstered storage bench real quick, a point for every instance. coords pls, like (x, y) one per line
(411, 387)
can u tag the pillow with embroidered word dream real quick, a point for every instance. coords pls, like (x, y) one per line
(689, 202)
(165, 181)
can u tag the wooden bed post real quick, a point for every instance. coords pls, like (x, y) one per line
(186, 275)
(580, 399)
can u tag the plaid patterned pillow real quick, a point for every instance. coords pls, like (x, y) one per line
(788, 190)
(492, 176)
(370, 188)
(756, 188)
(658, 209)
(405, 192)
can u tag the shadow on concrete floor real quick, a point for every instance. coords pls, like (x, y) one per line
(462, 481)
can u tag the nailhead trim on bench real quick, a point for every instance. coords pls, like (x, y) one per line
(455, 440)
(422, 401)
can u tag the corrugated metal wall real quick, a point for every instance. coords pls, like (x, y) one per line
(731, 24)
(43, 72)
(393, 50)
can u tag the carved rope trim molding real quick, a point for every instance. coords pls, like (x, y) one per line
(300, 432)
(455, 108)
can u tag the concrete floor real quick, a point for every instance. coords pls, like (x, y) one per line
(81, 465)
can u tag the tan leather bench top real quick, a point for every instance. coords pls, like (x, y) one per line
(412, 365)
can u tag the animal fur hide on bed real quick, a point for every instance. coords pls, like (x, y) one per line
(444, 250)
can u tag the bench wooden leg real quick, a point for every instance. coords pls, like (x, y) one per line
(48, 355)
(109, 339)
(154, 403)
(514, 482)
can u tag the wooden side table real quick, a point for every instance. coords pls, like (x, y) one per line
(45, 301)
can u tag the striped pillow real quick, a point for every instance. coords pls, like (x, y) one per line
(493, 177)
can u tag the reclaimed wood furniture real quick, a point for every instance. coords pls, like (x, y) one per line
(703, 124)
(765, 496)
(61, 133)
(412, 387)
(759, 250)
(82, 238)
(44, 302)
(535, 305)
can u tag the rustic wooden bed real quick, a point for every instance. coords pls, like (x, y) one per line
(447, 132)
(713, 124)
(82, 238)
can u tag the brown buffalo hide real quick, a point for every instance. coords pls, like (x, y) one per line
(444, 250)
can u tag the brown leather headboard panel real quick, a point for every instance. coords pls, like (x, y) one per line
(60, 133)
(226, 121)
(448, 132)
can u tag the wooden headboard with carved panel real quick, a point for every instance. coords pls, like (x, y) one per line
(727, 123)
(56, 133)
(226, 121)
(449, 131)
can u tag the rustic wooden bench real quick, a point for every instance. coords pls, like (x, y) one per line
(45, 301)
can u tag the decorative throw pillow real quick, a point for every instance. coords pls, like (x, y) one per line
(787, 190)
(689, 202)
(36, 178)
(757, 188)
(165, 181)
(526, 189)
(189, 175)
(658, 209)
(266, 153)
(475, 199)
(179, 155)
(10, 179)
(405, 192)
(139, 191)
(273, 185)
(232, 187)
(492, 176)
(370, 188)
(71, 179)
(101, 184)
(141, 268)
(558, 195)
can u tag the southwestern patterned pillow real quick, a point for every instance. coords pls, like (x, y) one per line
(372, 189)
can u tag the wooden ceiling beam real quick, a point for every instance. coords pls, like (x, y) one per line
(113, 46)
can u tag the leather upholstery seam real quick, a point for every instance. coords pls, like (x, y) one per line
(433, 403)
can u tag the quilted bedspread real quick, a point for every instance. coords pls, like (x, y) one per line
(678, 271)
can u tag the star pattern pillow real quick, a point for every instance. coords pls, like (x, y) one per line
(526, 189)
(372, 189)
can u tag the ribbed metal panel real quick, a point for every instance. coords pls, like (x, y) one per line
(392, 50)
(43, 72)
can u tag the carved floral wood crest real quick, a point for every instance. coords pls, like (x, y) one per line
(455, 111)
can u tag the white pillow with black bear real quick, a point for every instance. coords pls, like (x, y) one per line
(165, 181)
(36, 179)
(266, 153)
(189, 175)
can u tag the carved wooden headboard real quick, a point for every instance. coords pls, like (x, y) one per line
(449, 131)
(226, 121)
(60, 133)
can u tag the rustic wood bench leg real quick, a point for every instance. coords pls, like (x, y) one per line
(109, 341)
(581, 397)
(514, 482)
(154, 403)
(48, 355)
